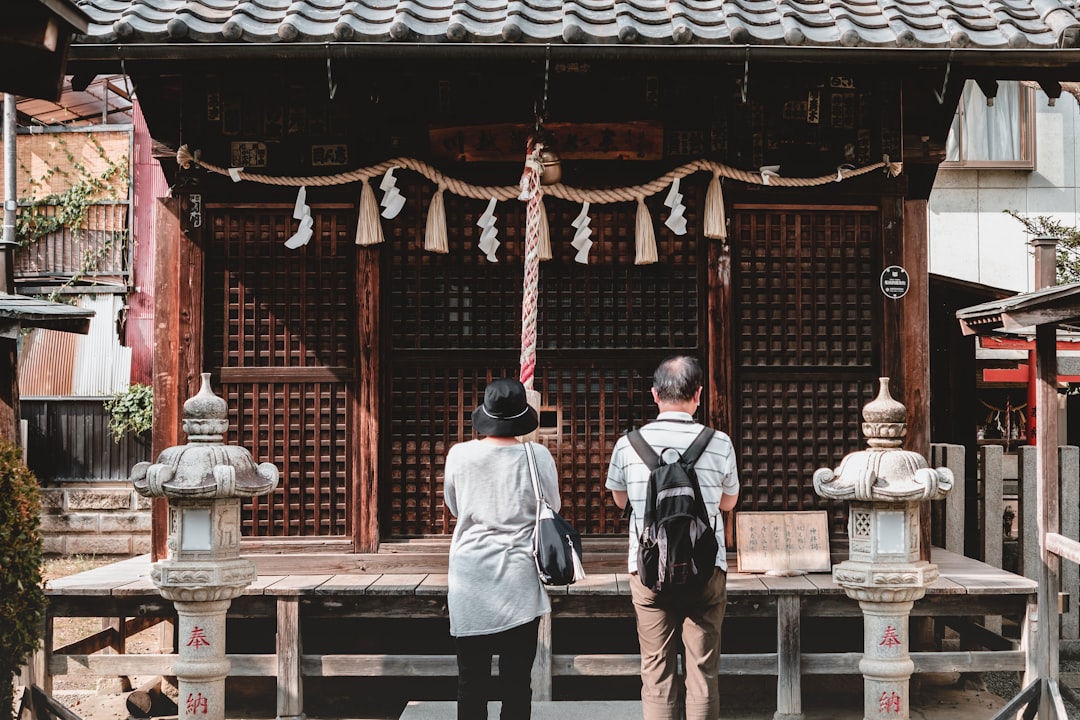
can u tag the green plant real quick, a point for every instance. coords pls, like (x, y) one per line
(1068, 237)
(22, 589)
(131, 410)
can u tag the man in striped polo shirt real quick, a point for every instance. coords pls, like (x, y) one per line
(694, 615)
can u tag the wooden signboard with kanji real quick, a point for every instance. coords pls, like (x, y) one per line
(783, 542)
(503, 142)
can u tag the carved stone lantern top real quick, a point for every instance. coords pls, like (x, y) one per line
(884, 472)
(205, 467)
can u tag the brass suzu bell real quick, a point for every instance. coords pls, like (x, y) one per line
(552, 167)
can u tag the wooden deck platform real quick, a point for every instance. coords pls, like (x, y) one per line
(970, 597)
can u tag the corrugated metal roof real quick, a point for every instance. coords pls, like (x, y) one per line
(977, 24)
(95, 365)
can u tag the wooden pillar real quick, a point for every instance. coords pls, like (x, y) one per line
(1046, 437)
(720, 355)
(367, 399)
(178, 336)
(167, 407)
(915, 344)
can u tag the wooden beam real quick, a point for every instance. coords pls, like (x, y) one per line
(1063, 546)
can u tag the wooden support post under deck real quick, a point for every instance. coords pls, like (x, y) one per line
(991, 458)
(290, 683)
(788, 658)
(541, 672)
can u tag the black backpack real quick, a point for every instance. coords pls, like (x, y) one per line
(678, 546)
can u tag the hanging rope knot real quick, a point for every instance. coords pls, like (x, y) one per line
(892, 169)
(184, 157)
(530, 175)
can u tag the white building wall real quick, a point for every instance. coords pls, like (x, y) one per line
(971, 237)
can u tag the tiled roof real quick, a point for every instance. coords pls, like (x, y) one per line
(976, 24)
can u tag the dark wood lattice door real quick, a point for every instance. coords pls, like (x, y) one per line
(281, 335)
(806, 354)
(455, 323)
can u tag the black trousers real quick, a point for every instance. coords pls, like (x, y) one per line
(516, 649)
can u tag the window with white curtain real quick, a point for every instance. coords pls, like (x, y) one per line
(999, 135)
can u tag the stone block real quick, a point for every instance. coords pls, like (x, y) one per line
(99, 545)
(86, 499)
(127, 522)
(142, 502)
(52, 499)
(53, 545)
(141, 544)
(70, 523)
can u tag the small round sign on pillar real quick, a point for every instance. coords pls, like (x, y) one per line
(895, 282)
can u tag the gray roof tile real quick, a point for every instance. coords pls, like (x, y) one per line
(980, 24)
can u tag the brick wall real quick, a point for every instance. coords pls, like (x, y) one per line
(95, 520)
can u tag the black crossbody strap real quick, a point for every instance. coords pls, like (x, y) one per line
(643, 449)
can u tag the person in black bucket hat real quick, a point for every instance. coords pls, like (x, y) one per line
(494, 596)
(506, 411)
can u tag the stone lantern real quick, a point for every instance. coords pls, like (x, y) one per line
(885, 486)
(203, 481)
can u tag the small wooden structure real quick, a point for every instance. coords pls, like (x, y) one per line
(1046, 309)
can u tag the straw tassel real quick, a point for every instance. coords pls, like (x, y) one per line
(368, 228)
(715, 218)
(644, 236)
(543, 247)
(435, 235)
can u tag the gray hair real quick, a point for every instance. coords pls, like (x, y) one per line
(677, 378)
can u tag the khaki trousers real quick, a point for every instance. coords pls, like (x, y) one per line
(667, 623)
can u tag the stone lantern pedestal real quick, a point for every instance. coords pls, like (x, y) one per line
(885, 486)
(204, 481)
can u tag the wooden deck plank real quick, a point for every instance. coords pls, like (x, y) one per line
(389, 584)
(788, 585)
(259, 585)
(433, 584)
(350, 584)
(598, 584)
(100, 580)
(824, 584)
(296, 585)
(142, 586)
(944, 586)
(745, 584)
